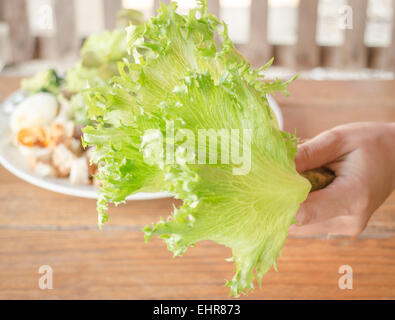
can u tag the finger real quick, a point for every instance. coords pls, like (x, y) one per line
(323, 149)
(345, 225)
(325, 204)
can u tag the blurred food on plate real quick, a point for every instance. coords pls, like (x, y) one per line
(46, 125)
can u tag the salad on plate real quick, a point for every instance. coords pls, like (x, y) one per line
(46, 125)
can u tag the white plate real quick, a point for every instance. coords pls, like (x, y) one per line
(13, 161)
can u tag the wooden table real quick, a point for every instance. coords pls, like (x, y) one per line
(38, 227)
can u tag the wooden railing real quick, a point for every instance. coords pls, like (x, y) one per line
(305, 53)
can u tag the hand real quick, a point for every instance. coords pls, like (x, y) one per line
(362, 155)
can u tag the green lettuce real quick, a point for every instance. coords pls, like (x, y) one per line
(47, 81)
(186, 76)
(99, 56)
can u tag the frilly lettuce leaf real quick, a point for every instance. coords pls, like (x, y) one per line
(98, 64)
(182, 80)
(103, 47)
(47, 81)
(99, 56)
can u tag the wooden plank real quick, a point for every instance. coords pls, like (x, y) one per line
(331, 56)
(315, 95)
(119, 265)
(80, 214)
(258, 51)
(351, 93)
(312, 107)
(157, 4)
(354, 50)
(64, 12)
(22, 43)
(38, 227)
(309, 121)
(63, 42)
(284, 55)
(378, 57)
(383, 58)
(8, 85)
(111, 9)
(214, 7)
(5, 48)
(315, 106)
(306, 52)
(391, 51)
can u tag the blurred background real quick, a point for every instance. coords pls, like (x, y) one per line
(321, 39)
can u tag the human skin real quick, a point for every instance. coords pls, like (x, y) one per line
(362, 156)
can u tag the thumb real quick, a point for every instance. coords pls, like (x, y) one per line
(321, 150)
(327, 203)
